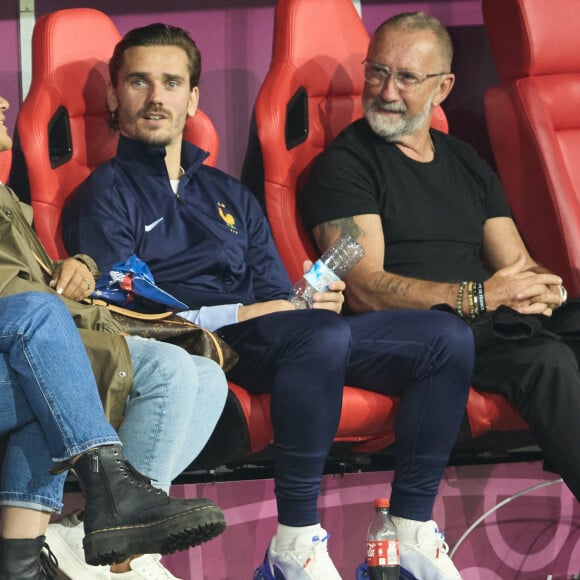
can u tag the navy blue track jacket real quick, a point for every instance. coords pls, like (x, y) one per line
(209, 244)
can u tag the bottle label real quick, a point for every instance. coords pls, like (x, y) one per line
(320, 276)
(383, 553)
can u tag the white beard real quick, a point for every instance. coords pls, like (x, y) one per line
(391, 129)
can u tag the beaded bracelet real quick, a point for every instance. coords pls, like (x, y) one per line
(460, 298)
(472, 300)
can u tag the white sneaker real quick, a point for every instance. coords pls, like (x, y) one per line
(424, 553)
(148, 566)
(65, 539)
(307, 560)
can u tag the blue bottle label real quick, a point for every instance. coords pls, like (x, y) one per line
(320, 276)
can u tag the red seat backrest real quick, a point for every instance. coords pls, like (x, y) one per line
(62, 123)
(5, 164)
(311, 92)
(533, 118)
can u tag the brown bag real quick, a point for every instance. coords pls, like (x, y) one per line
(168, 327)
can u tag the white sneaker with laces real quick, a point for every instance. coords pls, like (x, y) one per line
(424, 553)
(148, 567)
(65, 539)
(307, 560)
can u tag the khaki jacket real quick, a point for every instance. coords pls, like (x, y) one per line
(20, 271)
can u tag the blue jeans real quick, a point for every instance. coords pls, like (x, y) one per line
(172, 409)
(49, 403)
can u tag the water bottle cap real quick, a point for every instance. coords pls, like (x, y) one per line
(382, 502)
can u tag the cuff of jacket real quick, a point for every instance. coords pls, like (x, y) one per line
(89, 263)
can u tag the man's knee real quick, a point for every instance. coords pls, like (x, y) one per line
(452, 343)
(328, 335)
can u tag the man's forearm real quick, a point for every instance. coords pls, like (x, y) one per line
(383, 290)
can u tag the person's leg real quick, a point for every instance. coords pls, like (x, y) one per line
(30, 331)
(23, 522)
(25, 480)
(172, 409)
(426, 358)
(179, 398)
(540, 376)
(44, 351)
(28, 492)
(300, 357)
(42, 364)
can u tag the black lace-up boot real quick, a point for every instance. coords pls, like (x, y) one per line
(125, 514)
(20, 560)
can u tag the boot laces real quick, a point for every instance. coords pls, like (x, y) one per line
(136, 477)
(48, 562)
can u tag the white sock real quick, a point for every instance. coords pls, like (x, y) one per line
(406, 528)
(285, 535)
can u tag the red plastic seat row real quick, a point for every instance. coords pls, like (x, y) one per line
(63, 134)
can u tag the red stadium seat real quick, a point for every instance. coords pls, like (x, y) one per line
(5, 164)
(62, 123)
(311, 91)
(533, 119)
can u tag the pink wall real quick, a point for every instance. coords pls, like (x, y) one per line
(533, 537)
(235, 38)
(9, 62)
(529, 538)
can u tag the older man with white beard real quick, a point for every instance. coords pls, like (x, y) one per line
(436, 227)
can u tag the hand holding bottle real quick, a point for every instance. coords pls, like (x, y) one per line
(325, 274)
(330, 299)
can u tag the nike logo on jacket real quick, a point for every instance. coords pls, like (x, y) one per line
(149, 227)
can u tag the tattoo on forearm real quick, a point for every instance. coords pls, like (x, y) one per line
(328, 230)
(393, 286)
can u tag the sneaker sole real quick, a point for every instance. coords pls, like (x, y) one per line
(263, 573)
(164, 536)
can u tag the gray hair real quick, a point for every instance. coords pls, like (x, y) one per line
(419, 21)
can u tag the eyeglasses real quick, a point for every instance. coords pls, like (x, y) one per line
(405, 80)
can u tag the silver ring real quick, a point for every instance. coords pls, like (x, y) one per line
(563, 294)
(88, 283)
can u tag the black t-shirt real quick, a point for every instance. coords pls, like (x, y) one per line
(432, 213)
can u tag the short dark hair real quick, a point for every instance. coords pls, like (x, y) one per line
(416, 21)
(157, 34)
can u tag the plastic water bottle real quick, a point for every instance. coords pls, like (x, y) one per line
(383, 559)
(333, 265)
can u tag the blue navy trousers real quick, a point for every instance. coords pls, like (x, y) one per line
(304, 358)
